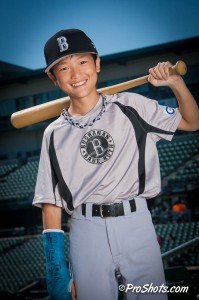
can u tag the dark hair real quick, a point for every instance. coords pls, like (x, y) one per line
(94, 57)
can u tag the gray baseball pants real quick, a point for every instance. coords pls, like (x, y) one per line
(99, 246)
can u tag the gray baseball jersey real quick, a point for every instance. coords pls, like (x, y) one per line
(114, 159)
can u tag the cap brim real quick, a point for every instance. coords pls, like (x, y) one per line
(59, 59)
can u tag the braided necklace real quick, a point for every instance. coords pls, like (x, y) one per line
(70, 119)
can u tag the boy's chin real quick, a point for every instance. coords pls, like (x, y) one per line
(81, 94)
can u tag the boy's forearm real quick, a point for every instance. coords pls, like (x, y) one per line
(187, 104)
(51, 215)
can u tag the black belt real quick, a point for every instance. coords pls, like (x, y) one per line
(108, 210)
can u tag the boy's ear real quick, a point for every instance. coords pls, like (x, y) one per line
(97, 62)
(52, 77)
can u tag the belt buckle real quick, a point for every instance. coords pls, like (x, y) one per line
(101, 209)
(101, 212)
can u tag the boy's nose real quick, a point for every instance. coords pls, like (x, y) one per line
(75, 72)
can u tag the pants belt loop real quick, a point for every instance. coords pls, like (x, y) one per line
(127, 208)
(89, 211)
(141, 203)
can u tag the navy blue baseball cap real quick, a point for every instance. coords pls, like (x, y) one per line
(66, 42)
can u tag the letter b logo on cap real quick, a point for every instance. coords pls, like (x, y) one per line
(63, 45)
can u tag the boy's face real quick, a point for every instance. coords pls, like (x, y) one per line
(76, 74)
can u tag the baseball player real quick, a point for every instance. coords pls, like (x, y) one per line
(99, 162)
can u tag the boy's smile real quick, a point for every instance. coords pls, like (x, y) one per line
(78, 84)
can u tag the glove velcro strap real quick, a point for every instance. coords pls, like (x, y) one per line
(52, 230)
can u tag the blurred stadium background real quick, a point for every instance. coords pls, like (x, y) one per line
(175, 210)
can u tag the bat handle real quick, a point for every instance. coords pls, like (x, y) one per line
(179, 68)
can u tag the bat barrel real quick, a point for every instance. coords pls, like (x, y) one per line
(39, 113)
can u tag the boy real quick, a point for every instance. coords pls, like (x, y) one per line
(99, 162)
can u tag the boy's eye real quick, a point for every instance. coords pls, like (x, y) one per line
(82, 62)
(63, 69)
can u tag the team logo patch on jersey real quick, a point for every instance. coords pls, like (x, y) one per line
(97, 146)
(169, 110)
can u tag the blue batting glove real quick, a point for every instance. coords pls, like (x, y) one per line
(57, 275)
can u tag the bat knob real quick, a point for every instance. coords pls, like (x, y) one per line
(180, 68)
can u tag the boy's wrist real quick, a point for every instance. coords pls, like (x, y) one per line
(177, 84)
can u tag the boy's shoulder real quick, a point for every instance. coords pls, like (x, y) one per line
(53, 125)
(126, 98)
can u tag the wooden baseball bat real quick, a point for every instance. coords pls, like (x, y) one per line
(48, 110)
